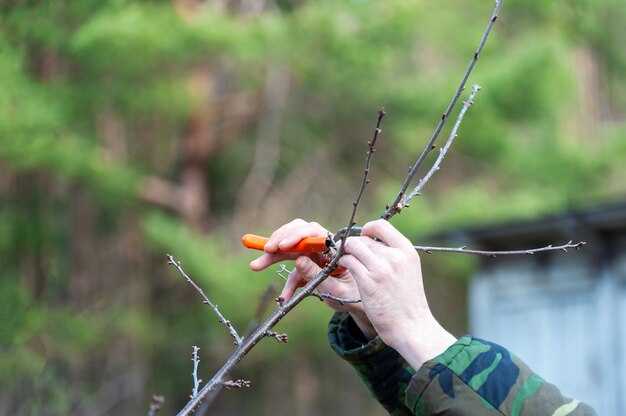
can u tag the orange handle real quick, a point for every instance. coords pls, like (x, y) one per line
(306, 245)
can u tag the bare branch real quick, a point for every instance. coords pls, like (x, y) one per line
(237, 384)
(464, 250)
(229, 326)
(365, 181)
(444, 150)
(216, 383)
(328, 296)
(155, 405)
(397, 204)
(278, 337)
(212, 387)
(196, 380)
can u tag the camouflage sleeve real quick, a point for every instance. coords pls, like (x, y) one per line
(383, 370)
(476, 377)
(472, 377)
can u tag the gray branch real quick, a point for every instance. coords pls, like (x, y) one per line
(465, 250)
(229, 326)
(155, 405)
(237, 384)
(444, 150)
(397, 204)
(196, 381)
(371, 148)
(217, 382)
(328, 296)
(280, 337)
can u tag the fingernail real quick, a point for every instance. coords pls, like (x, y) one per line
(280, 300)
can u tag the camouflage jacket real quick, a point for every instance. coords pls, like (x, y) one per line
(472, 377)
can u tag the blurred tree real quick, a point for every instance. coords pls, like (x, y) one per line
(130, 128)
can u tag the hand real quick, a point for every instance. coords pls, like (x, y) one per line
(388, 274)
(307, 267)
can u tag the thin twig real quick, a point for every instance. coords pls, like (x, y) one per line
(196, 381)
(229, 326)
(280, 337)
(371, 148)
(397, 204)
(328, 296)
(283, 272)
(316, 293)
(464, 250)
(444, 150)
(237, 384)
(216, 383)
(155, 405)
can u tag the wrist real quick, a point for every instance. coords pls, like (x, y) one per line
(422, 342)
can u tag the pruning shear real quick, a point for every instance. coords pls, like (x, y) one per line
(308, 245)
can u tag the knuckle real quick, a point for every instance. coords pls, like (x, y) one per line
(376, 224)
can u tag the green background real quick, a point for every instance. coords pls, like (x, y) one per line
(132, 129)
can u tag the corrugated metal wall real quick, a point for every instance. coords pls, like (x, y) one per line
(564, 316)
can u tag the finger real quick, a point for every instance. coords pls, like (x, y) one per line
(359, 273)
(290, 234)
(387, 233)
(300, 233)
(307, 268)
(267, 260)
(354, 266)
(361, 250)
(272, 244)
(375, 245)
(294, 281)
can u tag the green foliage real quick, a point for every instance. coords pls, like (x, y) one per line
(546, 133)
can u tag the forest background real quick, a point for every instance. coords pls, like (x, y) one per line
(132, 129)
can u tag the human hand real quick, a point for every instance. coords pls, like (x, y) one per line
(388, 274)
(341, 286)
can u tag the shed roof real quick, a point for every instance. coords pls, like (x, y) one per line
(600, 222)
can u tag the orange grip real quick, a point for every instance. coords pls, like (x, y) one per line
(306, 245)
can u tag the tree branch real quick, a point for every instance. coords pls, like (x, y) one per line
(229, 326)
(196, 381)
(398, 203)
(277, 336)
(217, 382)
(464, 250)
(237, 384)
(155, 405)
(371, 148)
(328, 296)
(444, 150)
